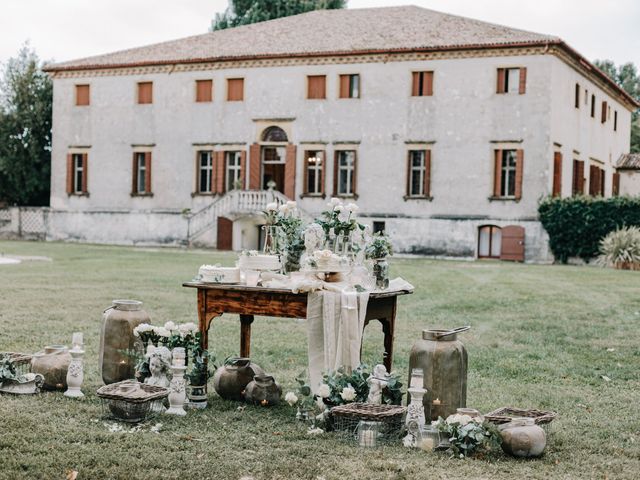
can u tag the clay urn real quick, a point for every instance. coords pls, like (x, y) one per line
(521, 437)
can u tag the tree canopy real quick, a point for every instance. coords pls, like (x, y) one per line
(244, 12)
(25, 130)
(628, 78)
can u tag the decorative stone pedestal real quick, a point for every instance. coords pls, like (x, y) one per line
(75, 373)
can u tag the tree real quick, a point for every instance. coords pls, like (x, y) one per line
(244, 12)
(627, 77)
(25, 130)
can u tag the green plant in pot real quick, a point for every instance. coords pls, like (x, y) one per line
(198, 377)
(378, 251)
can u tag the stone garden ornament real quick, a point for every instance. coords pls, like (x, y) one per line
(159, 367)
(178, 394)
(377, 381)
(75, 372)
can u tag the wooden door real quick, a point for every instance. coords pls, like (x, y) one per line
(512, 243)
(225, 234)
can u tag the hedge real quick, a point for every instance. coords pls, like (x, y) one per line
(577, 224)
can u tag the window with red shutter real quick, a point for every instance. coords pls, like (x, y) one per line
(418, 174)
(314, 172)
(593, 106)
(577, 95)
(578, 177)
(615, 187)
(141, 174)
(235, 89)
(77, 168)
(603, 116)
(316, 87)
(345, 175)
(204, 90)
(205, 172)
(512, 80)
(557, 174)
(422, 84)
(350, 86)
(83, 95)
(615, 121)
(145, 92)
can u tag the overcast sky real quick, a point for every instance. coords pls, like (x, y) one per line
(67, 29)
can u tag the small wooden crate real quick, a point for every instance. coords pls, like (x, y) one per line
(346, 420)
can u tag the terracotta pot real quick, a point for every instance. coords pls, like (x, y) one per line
(263, 390)
(116, 338)
(52, 363)
(230, 381)
(521, 437)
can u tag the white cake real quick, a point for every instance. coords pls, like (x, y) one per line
(255, 261)
(327, 261)
(215, 274)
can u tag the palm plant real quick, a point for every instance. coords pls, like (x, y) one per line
(621, 249)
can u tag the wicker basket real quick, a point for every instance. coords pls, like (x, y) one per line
(132, 402)
(348, 421)
(21, 361)
(506, 414)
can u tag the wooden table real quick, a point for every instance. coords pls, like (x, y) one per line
(216, 299)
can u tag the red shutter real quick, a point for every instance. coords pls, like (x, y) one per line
(134, 175)
(147, 172)
(243, 169)
(522, 88)
(69, 173)
(557, 175)
(254, 167)
(603, 118)
(305, 173)
(197, 170)
(145, 92)
(501, 80)
(235, 89)
(601, 185)
(85, 169)
(221, 171)
(335, 173)
(427, 173)
(290, 172)
(415, 84)
(316, 86)
(497, 173)
(615, 187)
(580, 177)
(344, 86)
(592, 180)
(204, 90)
(519, 173)
(408, 173)
(82, 95)
(428, 83)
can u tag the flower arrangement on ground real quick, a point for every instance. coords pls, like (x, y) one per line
(468, 436)
(338, 388)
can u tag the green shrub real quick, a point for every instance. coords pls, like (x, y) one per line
(577, 224)
(621, 248)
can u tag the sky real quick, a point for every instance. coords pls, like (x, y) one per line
(68, 29)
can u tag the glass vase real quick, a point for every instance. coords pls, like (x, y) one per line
(381, 272)
(271, 240)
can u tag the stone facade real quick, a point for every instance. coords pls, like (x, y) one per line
(462, 124)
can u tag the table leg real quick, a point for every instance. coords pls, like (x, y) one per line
(388, 328)
(245, 335)
(204, 322)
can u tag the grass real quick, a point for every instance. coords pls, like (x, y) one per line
(542, 336)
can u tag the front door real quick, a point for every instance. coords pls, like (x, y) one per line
(512, 243)
(225, 234)
(273, 162)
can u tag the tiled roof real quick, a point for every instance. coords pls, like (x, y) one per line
(629, 161)
(322, 32)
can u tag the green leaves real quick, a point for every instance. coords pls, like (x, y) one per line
(577, 224)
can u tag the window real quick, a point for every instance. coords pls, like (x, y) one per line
(556, 189)
(145, 92)
(274, 134)
(345, 173)
(316, 87)
(512, 80)
(422, 85)
(204, 90)
(489, 241)
(578, 178)
(233, 171)
(596, 181)
(235, 89)
(350, 86)
(314, 172)
(577, 95)
(82, 95)
(418, 173)
(378, 227)
(205, 171)
(603, 115)
(615, 121)
(141, 180)
(593, 106)
(508, 167)
(77, 173)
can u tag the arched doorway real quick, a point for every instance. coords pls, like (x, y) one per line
(273, 158)
(489, 241)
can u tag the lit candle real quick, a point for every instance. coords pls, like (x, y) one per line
(437, 401)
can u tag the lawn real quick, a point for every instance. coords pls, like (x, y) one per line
(542, 336)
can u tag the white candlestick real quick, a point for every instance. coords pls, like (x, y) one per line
(77, 340)
(75, 374)
(178, 393)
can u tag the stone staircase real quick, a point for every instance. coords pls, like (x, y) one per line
(234, 204)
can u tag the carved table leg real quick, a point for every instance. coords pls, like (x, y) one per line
(204, 322)
(388, 328)
(245, 335)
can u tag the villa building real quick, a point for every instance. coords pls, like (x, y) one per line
(447, 131)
